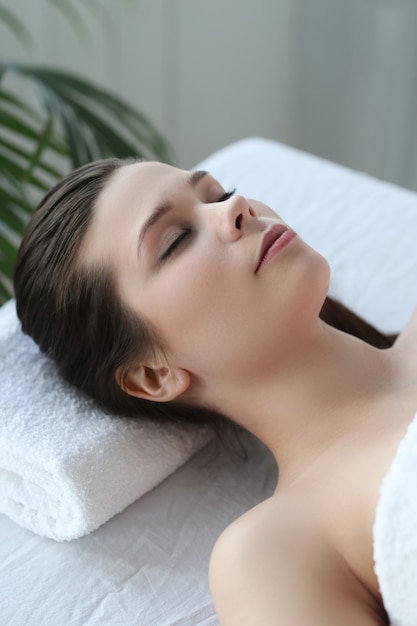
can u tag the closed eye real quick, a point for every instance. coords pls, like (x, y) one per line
(187, 231)
(226, 195)
(174, 245)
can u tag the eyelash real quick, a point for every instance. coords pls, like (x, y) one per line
(226, 195)
(171, 248)
(175, 244)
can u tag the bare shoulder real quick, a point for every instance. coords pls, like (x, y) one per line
(242, 542)
(239, 554)
(271, 568)
(256, 563)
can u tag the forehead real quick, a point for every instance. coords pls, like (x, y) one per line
(137, 182)
(125, 202)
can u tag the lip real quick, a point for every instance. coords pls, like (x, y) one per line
(276, 238)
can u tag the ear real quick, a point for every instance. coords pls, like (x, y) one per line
(160, 384)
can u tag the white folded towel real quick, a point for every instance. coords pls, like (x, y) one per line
(66, 467)
(395, 534)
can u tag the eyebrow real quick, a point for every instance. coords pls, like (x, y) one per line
(161, 210)
(196, 176)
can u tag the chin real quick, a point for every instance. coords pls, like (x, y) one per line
(314, 278)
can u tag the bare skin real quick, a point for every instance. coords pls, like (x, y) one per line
(331, 408)
(315, 532)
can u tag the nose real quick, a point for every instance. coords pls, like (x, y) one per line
(233, 216)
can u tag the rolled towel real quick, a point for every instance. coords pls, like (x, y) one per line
(66, 466)
(395, 534)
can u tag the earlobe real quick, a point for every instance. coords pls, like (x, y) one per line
(160, 384)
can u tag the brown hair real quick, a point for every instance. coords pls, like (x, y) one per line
(337, 315)
(74, 314)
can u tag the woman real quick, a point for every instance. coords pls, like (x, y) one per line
(157, 292)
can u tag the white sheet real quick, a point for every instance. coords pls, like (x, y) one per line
(148, 565)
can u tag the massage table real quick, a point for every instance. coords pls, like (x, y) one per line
(147, 565)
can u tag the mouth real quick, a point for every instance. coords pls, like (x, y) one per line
(273, 242)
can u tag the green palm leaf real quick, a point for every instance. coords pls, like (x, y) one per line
(73, 122)
(66, 95)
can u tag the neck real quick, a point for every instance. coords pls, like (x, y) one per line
(325, 392)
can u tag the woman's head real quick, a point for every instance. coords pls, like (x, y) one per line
(184, 254)
(73, 311)
(142, 282)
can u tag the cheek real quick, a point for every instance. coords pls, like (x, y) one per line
(200, 306)
(215, 318)
(189, 290)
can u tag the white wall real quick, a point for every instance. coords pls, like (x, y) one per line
(334, 77)
(234, 72)
(355, 84)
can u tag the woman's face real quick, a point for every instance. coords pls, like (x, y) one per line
(186, 257)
